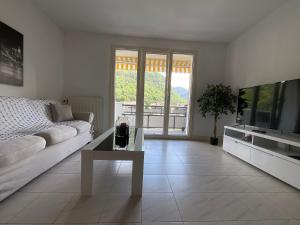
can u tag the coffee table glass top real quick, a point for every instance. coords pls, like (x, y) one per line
(109, 143)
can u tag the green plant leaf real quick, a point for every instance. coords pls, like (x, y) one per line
(217, 100)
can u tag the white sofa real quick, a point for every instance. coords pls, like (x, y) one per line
(31, 143)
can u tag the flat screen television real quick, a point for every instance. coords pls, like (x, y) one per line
(271, 106)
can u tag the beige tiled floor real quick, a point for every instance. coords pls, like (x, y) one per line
(185, 183)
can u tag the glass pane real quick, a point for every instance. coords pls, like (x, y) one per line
(180, 94)
(126, 84)
(154, 93)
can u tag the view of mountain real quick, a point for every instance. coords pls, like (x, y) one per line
(154, 89)
(184, 93)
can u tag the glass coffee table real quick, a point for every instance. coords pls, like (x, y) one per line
(105, 148)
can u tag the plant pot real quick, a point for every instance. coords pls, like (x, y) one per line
(214, 141)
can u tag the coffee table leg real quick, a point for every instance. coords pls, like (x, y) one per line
(137, 176)
(86, 174)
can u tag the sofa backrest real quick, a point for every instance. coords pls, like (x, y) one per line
(22, 116)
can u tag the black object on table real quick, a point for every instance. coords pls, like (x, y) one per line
(122, 135)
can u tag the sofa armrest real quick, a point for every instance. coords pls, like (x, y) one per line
(85, 116)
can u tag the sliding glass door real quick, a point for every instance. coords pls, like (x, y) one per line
(152, 89)
(125, 88)
(180, 90)
(155, 77)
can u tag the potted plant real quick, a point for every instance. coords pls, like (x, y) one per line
(216, 101)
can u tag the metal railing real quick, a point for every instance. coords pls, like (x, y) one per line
(154, 115)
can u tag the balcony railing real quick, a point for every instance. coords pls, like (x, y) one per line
(154, 115)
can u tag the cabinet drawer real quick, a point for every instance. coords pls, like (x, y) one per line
(244, 151)
(261, 158)
(228, 144)
(238, 149)
(286, 171)
(278, 167)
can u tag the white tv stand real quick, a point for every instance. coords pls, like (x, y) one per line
(270, 152)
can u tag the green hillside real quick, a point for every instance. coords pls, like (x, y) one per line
(154, 88)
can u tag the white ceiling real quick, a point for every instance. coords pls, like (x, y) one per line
(197, 20)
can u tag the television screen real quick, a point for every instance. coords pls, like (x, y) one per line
(272, 106)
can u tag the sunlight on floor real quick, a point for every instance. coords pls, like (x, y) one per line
(184, 181)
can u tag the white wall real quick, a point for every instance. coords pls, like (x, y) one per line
(43, 50)
(88, 65)
(269, 51)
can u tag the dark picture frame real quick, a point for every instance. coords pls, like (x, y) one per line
(11, 56)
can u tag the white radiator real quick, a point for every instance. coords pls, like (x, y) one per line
(87, 104)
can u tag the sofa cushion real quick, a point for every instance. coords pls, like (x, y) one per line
(61, 112)
(57, 134)
(21, 116)
(15, 150)
(81, 126)
(85, 116)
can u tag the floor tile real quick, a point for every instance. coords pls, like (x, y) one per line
(192, 183)
(74, 224)
(156, 183)
(212, 168)
(204, 223)
(197, 207)
(228, 206)
(125, 169)
(67, 183)
(55, 183)
(66, 167)
(44, 209)
(204, 158)
(121, 184)
(13, 205)
(160, 207)
(82, 210)
(269, 184)
(76, 156)
(262, 207)
(102, 183)
(100, 167)
(264, 222)
(185, 183)
(121, 208)
(123, 223)
(29, 223)
(163, 158)
(162, 223)
(164, 168)
(289, 202)
(107, 167)
(151, 183)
